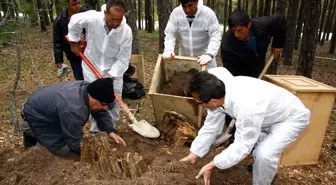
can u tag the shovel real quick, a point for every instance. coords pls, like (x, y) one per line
(141, 127)
(226, 135)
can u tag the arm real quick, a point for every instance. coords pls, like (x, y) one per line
(104, 121)
(230, 62)
(215, 36)
(248, 128)
(276, 26)
(170, 34)
(57, 39)
(77, 23)
(212, 127)
(119, 67)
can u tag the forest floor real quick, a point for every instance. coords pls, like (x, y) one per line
(37, 166)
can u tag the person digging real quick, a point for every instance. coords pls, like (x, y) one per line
(54, 116)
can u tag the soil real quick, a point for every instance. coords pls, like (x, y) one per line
(38, 166)
(177, 84)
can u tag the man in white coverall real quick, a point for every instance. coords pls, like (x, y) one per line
(268, 118)
(109, 45)
(198, 29)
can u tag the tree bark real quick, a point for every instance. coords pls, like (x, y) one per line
(230, 7)
(267, 8)
(225, 14)
(45, 12)
(273, 6)
(325, 6)
(148, 16)
(139, 14)
(333, 40)
(239, 4)
(331, 21)
(309, 38)
(280, 8)
(261, 8)
(164, 9)
(246, 5)
(291, 28)
(51, 11)
(299, 25)
(153, 15)
(131, 21)
(328, 22)
(254, 9)
(41, 15)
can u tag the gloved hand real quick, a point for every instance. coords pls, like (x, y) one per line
(204, 59)
(168, 55)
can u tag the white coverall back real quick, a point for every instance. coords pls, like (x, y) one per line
(268, 118)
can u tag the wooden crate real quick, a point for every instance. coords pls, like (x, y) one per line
(138, 62)
(319, 99)
(164, 102)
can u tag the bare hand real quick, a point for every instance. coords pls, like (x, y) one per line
(75, 47)
(117, 138)
(191, 158)
(207, 171)
(277, 52)
(59, 65)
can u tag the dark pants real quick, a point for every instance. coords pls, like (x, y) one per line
(76, 65)
(228, 119)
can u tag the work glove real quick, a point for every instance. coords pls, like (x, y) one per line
(168, 55)
(204, 59)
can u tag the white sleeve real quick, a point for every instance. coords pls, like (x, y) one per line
(212, 127)
(215, 36)
(170, 34)
(77, 22)
(248, 129)
(119, 67)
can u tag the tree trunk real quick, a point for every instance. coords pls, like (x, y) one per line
(309, 38)
(91, 4)
(130, 4)
(153, 15)
(273, 6)
(333, 40)
(41, 15)
(51, 11)
(11, 8)
(45, 12)
(291, 28)
(230, 7)
(280, 8)
(5, 6)
(325, 5)
(16, 7)
(239, 4)
(328, 22)
(254, 9)
(246, 5)
(267, 8)
(164, 9)
(261, 8)
(58, 6)
(225, 14)
(139, 14)
(299, 25)
(148, 14)
(331, 21)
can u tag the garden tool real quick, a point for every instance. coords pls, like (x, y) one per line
(226, 135)
(142, 127)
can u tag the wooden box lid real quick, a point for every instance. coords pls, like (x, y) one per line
(299, 83)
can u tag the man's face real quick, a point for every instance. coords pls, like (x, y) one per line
(74, 6)
(114, 17)
(212, 104)
(190, 8)
(241, 32)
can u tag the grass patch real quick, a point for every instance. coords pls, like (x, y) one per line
(145, 34)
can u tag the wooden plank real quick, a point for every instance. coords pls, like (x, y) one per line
(157, 78)
(138, 62)
(180, 64)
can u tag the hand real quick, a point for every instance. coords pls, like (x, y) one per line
(207, 171)
(204, 59)
(117, 138)
(191, 158)
(168, 56)
(277, 52)
(59, 65)
(75, 47)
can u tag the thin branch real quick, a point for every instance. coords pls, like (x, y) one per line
(3, 21)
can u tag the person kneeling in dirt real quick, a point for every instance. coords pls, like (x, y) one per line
(55, 115)
(268, 119)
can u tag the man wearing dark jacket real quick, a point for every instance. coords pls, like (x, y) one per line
(244, 46)
(55, 115)
(61, 44)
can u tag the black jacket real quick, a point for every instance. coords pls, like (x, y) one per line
(57, 113)
(239, 59)
(61, 45)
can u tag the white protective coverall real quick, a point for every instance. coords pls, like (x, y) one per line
(202, 37)
(267, 116)
(109, 53)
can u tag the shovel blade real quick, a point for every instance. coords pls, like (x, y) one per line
(221, 139)
(145, 129)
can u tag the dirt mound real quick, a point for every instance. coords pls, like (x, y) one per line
(177, 84)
